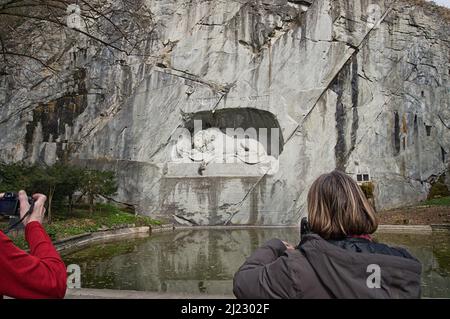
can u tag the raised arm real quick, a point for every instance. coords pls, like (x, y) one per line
(265, 274)
(39, 274)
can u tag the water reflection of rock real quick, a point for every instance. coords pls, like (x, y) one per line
(199, 261)
(433, 253)
(204, 261)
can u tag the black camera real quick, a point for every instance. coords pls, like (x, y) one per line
(10, 205)
(305, 229)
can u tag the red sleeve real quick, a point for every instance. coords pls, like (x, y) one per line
(40, 274)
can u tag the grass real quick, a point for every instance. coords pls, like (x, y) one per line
(442, 201)
(105, 216)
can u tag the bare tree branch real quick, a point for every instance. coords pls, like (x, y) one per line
(29, 57)
(3, 49)
(65, 26)
(107, 19)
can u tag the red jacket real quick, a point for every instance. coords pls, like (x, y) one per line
(40, 274)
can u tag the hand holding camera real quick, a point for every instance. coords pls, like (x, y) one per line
(288, 246)
(18, 205)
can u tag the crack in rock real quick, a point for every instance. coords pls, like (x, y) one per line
(186, 219)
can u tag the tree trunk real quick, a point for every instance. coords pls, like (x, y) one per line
(91, 204)
(50, 198)
(70, 200)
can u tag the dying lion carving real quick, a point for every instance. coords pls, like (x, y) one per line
(212, 145)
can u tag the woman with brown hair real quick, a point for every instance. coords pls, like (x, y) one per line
(337, 258)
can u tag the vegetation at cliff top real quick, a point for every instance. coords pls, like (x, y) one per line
(432, 6)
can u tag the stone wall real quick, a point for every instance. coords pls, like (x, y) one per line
(362, 86)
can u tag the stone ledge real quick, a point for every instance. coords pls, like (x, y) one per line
(80, 241)
(425, 229)
(86, 293)
(190, 170)
(219, 227)
(440, 226)
(162, 228)
(72, 239)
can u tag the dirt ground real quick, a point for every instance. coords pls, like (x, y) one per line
(420, 215)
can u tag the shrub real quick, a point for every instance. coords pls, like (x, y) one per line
(439, 188)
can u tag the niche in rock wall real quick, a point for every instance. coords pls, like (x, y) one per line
(245, 119)
(362, 177)
(443, 155)
(396, 134)
(246, 137)
(428, 129)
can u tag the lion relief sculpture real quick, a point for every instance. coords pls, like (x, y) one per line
(212, 145)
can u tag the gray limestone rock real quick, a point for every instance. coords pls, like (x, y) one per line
(362, 86)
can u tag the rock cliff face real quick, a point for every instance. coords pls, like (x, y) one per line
(362, 86)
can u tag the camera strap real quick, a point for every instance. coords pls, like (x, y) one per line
(28, 213)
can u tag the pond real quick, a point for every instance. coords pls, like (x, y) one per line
(204, 261)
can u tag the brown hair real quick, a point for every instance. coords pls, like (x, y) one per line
(337, 207)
